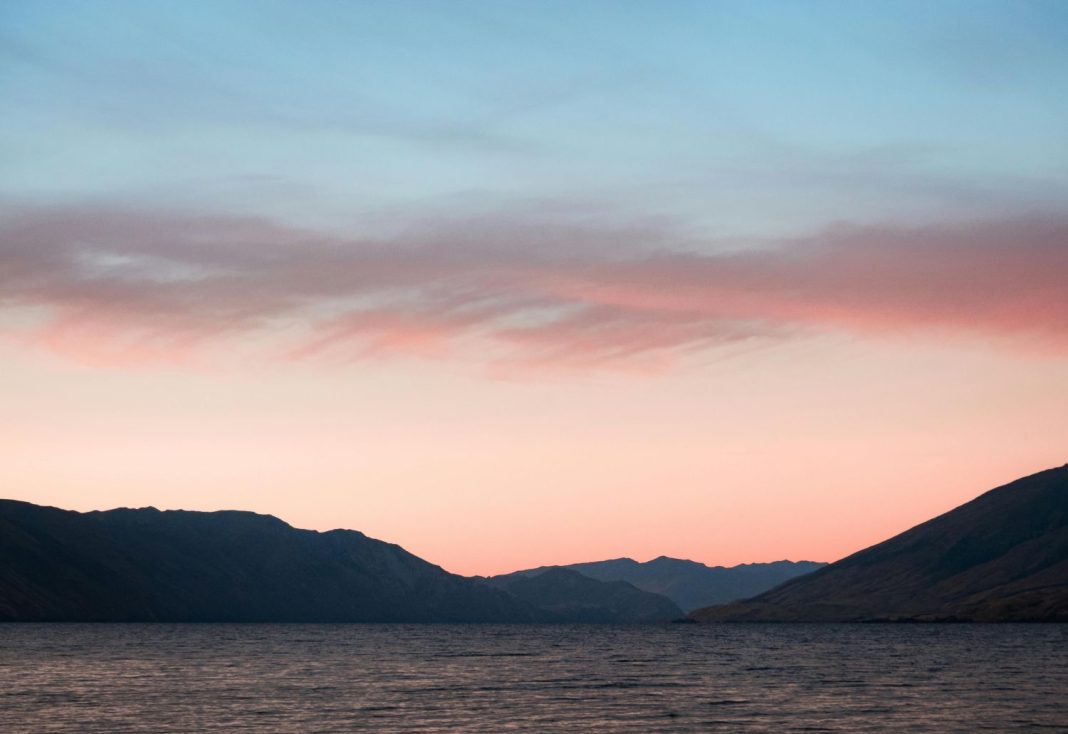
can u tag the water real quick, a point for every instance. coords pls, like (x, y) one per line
(444, 678)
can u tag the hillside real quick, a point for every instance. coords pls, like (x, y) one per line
(570, 595)
(1001, 557)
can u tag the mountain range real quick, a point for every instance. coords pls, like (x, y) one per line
(1001, 557)
(691, 584)
(144, 565)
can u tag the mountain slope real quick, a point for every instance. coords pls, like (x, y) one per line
(1001, 557)
(574, 597)
(177, 566)
(692, 585)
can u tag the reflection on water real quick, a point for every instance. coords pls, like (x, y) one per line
(444, 678)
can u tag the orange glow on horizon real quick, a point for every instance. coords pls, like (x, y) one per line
(729, 462)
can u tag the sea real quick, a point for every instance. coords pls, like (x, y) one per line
(117, 678)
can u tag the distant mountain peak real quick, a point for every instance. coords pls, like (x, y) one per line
(690, 584)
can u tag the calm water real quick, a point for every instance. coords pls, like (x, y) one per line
(438, 678)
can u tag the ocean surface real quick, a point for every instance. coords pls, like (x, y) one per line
(532, 678)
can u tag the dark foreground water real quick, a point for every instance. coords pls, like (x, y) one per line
(443, 678)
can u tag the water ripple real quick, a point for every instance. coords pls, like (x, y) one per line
(132, 679)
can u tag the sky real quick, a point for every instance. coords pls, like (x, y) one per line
(524, 283)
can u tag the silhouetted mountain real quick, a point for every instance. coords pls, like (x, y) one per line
(692, 585)
(570, 596)
(1000, 557)
(147, 565)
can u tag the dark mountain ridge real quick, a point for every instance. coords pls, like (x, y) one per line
(144, 565)
(1001, 557)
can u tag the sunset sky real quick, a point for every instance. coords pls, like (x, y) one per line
(522, 283)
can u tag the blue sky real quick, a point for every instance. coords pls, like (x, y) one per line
(738, 119)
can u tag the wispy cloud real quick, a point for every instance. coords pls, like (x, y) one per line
(116, 286)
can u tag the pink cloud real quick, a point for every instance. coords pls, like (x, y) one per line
(120, 287)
